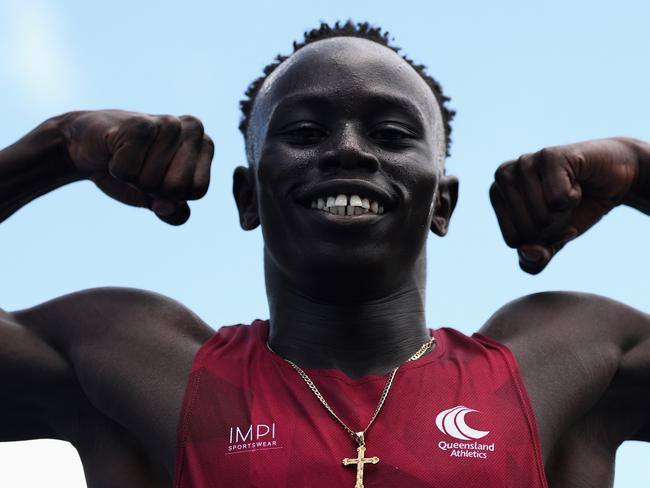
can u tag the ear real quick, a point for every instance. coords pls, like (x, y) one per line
(243, 189)
(446, 198)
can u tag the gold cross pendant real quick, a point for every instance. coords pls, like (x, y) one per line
(360, 460)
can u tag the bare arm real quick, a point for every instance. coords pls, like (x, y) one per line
(36, 379)
(578, 352)
(155, 162)
(54, 357)
(34, 165)
(104, 359)
(639, 194)
(584, 355)
(543, 200)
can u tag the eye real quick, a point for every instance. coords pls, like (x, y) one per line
(304, 134)
(392, 134)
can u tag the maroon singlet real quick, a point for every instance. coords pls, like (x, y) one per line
(457, 417)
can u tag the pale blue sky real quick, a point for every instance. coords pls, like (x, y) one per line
(522, 76)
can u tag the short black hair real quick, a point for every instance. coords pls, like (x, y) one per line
(349, 29)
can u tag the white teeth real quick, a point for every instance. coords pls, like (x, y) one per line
(355, 201)
(341, 204)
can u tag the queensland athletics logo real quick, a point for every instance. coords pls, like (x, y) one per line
(452, 422)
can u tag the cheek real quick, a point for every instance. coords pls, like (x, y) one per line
(273, 177)
(280, 163)
(419, 182)
(279, 169)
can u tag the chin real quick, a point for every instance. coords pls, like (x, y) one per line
(349, 272)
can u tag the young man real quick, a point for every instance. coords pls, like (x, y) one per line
(344, 384)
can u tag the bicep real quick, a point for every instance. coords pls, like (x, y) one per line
(633, 380)
(42, 392)
(130, 351)
(593, 352)
(35, 381)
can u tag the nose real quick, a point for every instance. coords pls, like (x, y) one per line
(348, 151)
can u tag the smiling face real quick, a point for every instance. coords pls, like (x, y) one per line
(346, 147)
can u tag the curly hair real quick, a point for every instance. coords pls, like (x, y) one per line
(365, 31)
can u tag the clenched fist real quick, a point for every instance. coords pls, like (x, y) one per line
(545, 199)
(154, 161)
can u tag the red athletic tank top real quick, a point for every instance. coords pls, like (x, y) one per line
(457, 417)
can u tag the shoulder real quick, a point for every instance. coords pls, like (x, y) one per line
(117, 298)
(575, 339)
(568, 317)
(105, 312)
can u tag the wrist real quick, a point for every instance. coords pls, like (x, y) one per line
(639, 194)
(37, 163)
(51, 142)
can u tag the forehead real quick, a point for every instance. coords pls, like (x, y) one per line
(345, 68)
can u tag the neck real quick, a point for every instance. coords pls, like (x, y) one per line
(361, 337)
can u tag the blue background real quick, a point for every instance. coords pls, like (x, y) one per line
(522, 76)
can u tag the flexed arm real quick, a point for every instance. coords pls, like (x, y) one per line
(156, 162)
(67, 364)
(545, 199)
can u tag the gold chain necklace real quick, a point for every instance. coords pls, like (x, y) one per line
(359, 437)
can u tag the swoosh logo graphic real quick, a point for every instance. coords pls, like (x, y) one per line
(452, 422)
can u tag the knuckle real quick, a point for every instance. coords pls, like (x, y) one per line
(199, 190)
(509, 239)
(206, 154)
(549, 157)
(121, 171)
(580, 158)
(147, 185)
(209, 143)
(494, 193)
(496, 199)
(142, 127)
(192, 125)
(526, 162)
(170, 124)
(511, 243)
(175, 186)
(505, 173)
(559, 200)
(556, 198)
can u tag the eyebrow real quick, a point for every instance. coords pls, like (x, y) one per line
(376, 98)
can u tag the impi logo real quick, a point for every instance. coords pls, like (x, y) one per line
(452, 422)
(253, 437)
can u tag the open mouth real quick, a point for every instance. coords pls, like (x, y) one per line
(350, 205)
(346, 197)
